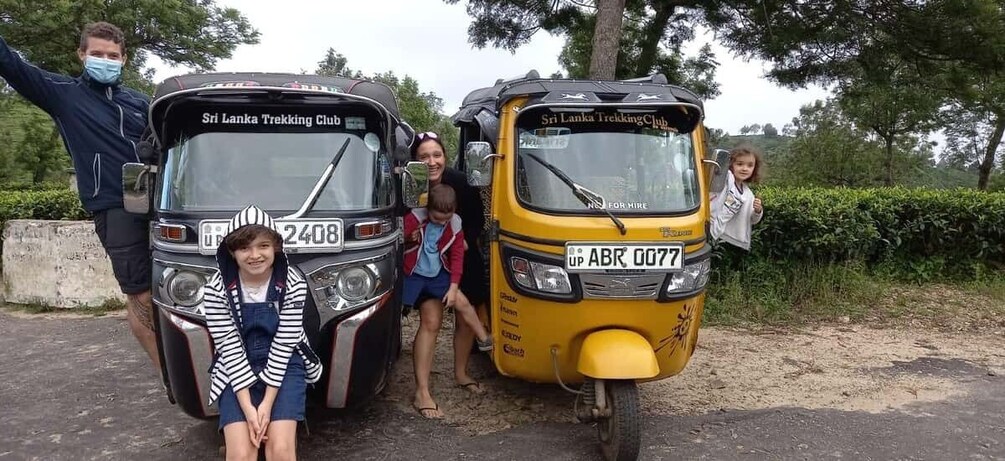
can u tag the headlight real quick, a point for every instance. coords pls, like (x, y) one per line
(345, 287)
(692, 278)
(355, 284)
(539, 276)
(186, 287)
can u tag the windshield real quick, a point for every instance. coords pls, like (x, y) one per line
(635, 161)
(227, 171)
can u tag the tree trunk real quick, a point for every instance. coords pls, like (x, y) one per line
(39, 174)
(652, 37)
(989, 152)
(606, 39)
(889, 161)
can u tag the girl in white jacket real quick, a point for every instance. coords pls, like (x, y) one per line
(735, 209)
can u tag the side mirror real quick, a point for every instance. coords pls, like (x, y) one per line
(415, 184)
(715, 171)
(404, 136)
(136, 182)
(478, 158)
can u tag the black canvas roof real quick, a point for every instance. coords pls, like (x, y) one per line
(493, 97)
(373, 90)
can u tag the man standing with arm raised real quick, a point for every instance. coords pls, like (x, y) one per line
(100, 122)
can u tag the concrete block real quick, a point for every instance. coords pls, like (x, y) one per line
(57, 264)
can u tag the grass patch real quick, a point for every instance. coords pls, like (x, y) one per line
(764, 293)
(111, 305)
(767, 293)
(992, 287)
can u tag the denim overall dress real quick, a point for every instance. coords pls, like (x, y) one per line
(258, 324)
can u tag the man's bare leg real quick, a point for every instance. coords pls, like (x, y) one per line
(140, 313)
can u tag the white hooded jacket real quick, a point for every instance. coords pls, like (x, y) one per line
(733, 215)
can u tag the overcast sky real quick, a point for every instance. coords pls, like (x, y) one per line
(427, 39)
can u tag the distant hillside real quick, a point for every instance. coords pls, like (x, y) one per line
(943, 178)
(775, 150)
(771, 146)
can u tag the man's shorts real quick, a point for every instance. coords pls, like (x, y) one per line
(422, 287)
(126, 238)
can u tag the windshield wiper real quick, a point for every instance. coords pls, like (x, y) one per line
(319, 186)
(589, 198)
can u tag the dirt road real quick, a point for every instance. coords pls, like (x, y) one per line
(78, 387)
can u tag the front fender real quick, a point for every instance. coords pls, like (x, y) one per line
(617, 354)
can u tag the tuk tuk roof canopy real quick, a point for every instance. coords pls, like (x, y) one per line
(641, 90)
(482, 106)
(373, 90)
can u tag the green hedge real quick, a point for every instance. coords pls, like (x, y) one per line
(906, 233)
(47, 204)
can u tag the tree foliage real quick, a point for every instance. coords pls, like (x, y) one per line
(196, 33)
(422, 110)
(31, 151)
(828, 147)
(654, 33)
(335, 64)
(893, 110)
(965, 137)
(40, 152)
(951, 52)
(901, 69)
(830, 150)
(980, 102)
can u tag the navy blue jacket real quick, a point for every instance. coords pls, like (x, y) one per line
(100, 124)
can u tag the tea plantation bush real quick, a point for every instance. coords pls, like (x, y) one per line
(915, 234)
(40, 204)
(45, 204)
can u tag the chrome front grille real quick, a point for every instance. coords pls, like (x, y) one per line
(642, 286)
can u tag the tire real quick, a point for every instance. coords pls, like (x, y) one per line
(621, 433)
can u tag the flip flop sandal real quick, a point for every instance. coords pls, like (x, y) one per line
(435, 407)
(473, 387)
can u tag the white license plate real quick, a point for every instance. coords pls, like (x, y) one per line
(602, 257)
(299, 236)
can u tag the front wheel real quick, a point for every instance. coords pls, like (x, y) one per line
(621, 432)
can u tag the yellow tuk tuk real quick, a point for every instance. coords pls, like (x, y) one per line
(597, 238)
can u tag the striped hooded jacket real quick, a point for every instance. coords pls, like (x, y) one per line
(222, 307)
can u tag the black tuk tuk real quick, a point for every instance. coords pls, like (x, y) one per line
(318, 154)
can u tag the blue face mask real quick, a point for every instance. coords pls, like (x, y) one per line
(102, 70)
